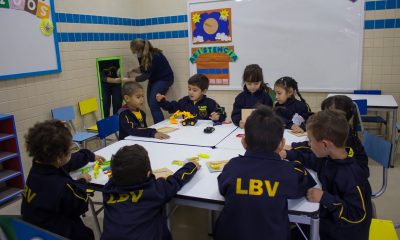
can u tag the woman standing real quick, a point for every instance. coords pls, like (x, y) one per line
(154, 67)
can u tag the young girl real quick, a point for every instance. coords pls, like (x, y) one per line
(294, 112)
(154, 66)
(254, 93)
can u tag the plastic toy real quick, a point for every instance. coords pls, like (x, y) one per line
(188, 118)
(96, 170)
(209, 130)
(85, 169)
(193, 159)
(203, 155)
(177, 162)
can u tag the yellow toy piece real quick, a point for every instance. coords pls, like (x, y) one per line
(188, 118)
(203, 155)
(216, 166)
(96, 169)
(177, 162)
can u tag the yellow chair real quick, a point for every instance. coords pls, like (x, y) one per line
(86, 107)
(382, 229)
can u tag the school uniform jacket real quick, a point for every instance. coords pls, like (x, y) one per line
(292, 106)
(54, 201)
(136, 212)
(202, 108)
(256, 187)
(345, 206)
(130, 125)
(246, 99)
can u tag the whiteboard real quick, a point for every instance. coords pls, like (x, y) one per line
(24, 50)
(317, 42)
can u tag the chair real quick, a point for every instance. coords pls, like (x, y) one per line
(382, 229)
(361, 106)
(108, 126)
(373, 118)
(379, 150)
(24, 230)
(67, 114)
(88, 107)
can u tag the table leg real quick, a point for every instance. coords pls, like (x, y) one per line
(393, 137)
(314, 230)
(211, 222)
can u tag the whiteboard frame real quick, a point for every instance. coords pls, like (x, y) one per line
(57, 52)
(234, 88)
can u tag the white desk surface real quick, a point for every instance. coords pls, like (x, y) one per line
(204, 185)
(378, 101)
(191, 135)
(234, 142)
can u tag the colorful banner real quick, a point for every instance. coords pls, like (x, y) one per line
(34, 7)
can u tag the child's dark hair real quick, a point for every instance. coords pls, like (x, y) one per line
(48, 141)
(130, 88)
(345, 104)
(199, 80)
(329, 125)
(253, 73)
(263, 130)
(130, 165)
(111, 72)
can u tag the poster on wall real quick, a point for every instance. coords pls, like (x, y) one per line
(213, 61)
(211, 26)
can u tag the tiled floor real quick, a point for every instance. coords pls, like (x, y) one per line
(191, 223)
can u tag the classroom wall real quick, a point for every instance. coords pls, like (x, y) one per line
(30, 99)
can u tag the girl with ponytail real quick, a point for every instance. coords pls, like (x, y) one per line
(154, 67)
(294, 112)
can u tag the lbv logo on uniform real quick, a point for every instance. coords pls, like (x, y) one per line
(256, 187)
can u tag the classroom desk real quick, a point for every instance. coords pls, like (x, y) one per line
(202, 190)
(380, 103)
(191, 135)
(232, 141)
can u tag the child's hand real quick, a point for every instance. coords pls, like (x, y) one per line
(287, 147)
(85, 176)
(160, 97)
(297, 129)
(314, 195)
(241, 124)
(214, 116)
(283, 154)
(198, 166)
(99, 158)
(160, 135)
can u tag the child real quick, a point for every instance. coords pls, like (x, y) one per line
(132, 120)
(134, 199)
(256, 186)
(51, 199)
(293, 112)
(345, 198)
(254, 93)
(353, 143)
(197, 103)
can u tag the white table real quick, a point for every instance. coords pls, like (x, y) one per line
(191, 135)
(381, 103)
(202, 191)
(234, 142)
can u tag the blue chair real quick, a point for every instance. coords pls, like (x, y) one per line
(373, 118)
(67, 114)
(24, 230)
(108, 126)
(379, 150)
(362, 109)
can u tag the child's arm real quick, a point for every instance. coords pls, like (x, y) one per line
(128, 126)
(302, 181)
(171, 107)
(170, 186)
(236, 115)
(304, 156)
(79, 159)
(74, 200)
(214, 114)
(224, 179)
(349, 207)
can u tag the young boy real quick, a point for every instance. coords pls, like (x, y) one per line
(51, 199)
(197, 103)
(345, 198)
(256, 186)
(134, 199)
(132, 120)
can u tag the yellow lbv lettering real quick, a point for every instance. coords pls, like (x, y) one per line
(28, 194)
(122, 197)
(256, 187)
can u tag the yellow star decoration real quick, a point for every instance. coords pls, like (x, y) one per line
(46, 27)
(196, 18)
(224, 14)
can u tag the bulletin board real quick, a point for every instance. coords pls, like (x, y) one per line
(28, 39)
(318, 43)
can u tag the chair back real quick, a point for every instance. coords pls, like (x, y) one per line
(368, 92)
(377, 148)
(63, 113)
(88, 106)
(108, 126)
(24, 230)
(362, 106)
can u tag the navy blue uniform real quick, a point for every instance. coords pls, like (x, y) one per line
(345, 206)
(247, 99)
(130, 125)
(202, 108)
(256, 187)
(54, 201)
(159, 70)
(136, 212)
(292, 106)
